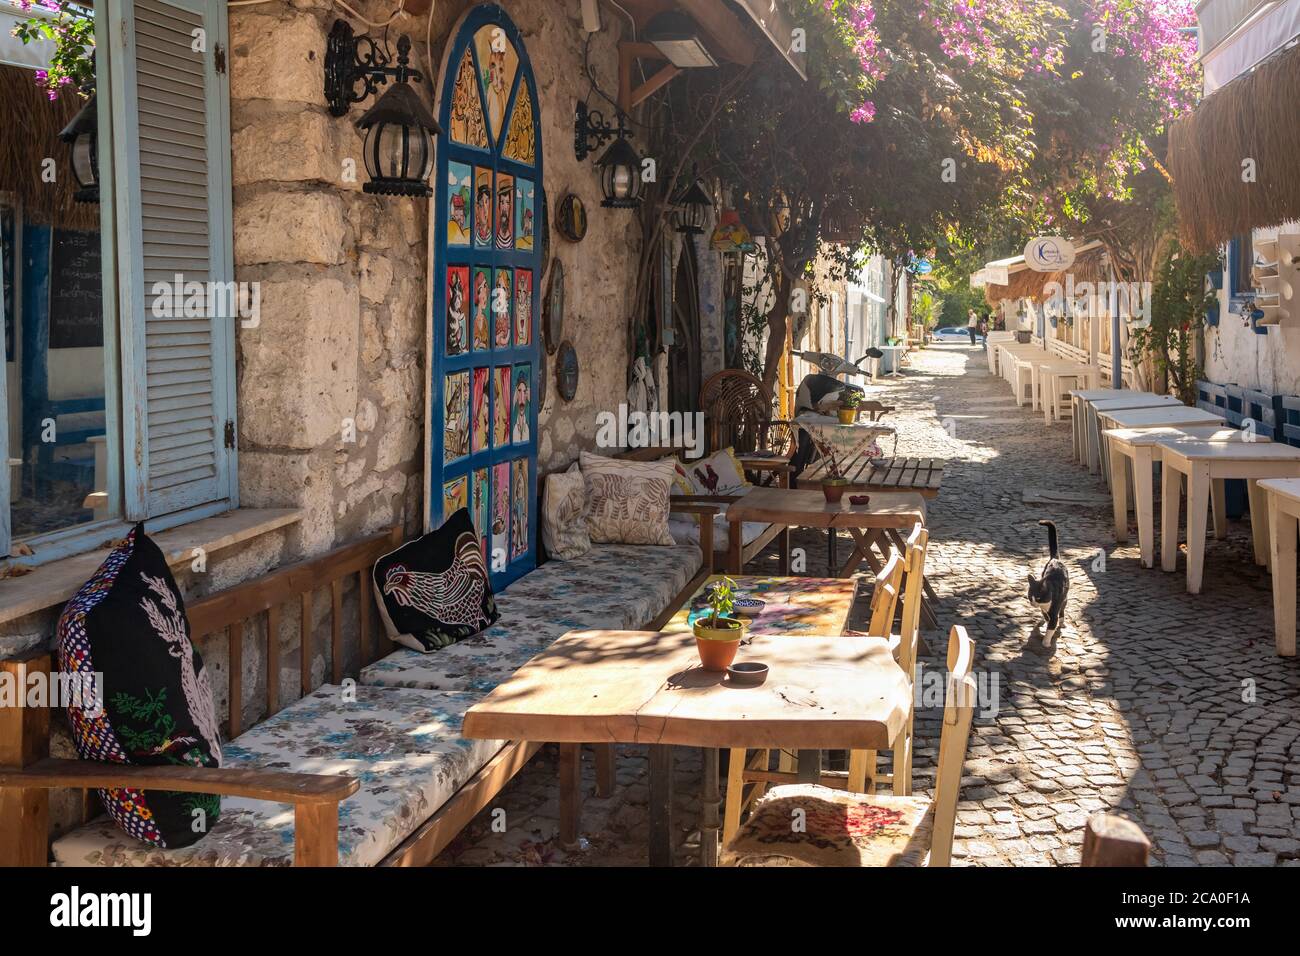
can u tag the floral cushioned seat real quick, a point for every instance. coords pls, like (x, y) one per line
(841, 829)
(616, 586)
(403, 745)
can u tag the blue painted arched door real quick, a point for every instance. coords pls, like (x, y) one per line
(487, 273)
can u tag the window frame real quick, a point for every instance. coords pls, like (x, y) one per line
(122, 326)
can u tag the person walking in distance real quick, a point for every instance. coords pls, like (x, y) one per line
(972, 322)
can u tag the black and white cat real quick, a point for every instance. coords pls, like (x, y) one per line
(1050, 590)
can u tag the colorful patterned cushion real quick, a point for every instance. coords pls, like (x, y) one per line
(627, 501)
(564, 527)
(404, 746)
(435, 590)
(127, 624)
(612, 586)
(718, 474)
(812, 825)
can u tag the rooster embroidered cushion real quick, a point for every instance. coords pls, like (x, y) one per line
(627, 501)
(435, 590)
(141, 695)
(718, 474)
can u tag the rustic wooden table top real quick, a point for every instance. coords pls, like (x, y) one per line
(1288, 488)
(1177, 414)
(791, 606)
(924, 476)
(1230, 451)
(1104, 406)
(808, 508)
(645, 687)
(1156, 434)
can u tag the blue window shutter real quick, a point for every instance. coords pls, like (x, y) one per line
(172, 153)
(5, 470)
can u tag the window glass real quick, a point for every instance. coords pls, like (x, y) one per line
(56, 337)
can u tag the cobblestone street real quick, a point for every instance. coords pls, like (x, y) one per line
(1170, 708)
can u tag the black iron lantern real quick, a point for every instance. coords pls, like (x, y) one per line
(399, 128)
(693, 205)
(82, 134)
(620, 176)
(399, 149)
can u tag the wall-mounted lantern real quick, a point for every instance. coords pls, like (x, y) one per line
(693, 205)
(398, 151)
(82, 135)
(619, 165)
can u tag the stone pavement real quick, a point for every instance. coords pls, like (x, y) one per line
(1169, 708)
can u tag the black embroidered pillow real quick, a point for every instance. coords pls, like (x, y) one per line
(435, 590)
(151, 704)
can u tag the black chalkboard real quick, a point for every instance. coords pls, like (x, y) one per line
(76, 291)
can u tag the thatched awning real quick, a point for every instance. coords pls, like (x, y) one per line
(1025, 283)
(31, 124)
(1254, 117)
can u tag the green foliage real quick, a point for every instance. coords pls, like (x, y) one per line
(722, 600)
(71, 28)
(1179, 300)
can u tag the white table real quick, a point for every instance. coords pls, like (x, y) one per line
(1049, 379)
(1142, 448)
(1202, 463)
(1168, 412)
(1283, 522)
(1080, 414)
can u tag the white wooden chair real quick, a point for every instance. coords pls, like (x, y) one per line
(863, 777)
(813, 825)
(743, 768)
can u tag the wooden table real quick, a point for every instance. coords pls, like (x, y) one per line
(1093, 433)
(1080, 413)
(1202, 463)
(1052, 375)
(791, 605)
(639, 687)
(1283, 523)
(884, 521)
(1142, 447)
(1173, 413)
(923, 476)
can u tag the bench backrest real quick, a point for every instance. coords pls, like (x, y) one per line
(231, 609)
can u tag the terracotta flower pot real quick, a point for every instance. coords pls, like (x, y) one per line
(718, 645)
(848, 416)
(834, 488)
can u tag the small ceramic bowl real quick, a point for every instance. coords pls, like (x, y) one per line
(750, 604)
(749, 673)
(859, 499)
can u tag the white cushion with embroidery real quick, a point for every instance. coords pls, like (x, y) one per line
(627, 501)
(564, 524)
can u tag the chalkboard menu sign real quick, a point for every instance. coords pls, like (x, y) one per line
(76, 291)
(8, 275)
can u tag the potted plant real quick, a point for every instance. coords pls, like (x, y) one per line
(849, 402)
(719, 632)
(833, 483)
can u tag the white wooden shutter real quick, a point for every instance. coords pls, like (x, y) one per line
(171, 104)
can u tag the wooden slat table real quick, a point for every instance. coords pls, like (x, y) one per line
(1283, 523)
(1202, 463)
(1048, 386)
(1142, 447)
(639, 687)
(922, 476)
(1173, 413)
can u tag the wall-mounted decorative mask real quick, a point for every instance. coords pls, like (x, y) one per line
(566, 371)
(553, 308)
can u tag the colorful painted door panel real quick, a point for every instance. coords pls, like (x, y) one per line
(484, 310)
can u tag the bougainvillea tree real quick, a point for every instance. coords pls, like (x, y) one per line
(71, 29)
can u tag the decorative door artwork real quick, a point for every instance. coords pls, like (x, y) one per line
(485, 301)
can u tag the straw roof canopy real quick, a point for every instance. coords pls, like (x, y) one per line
(31, 125)
(1028, 284)
(1253, 117)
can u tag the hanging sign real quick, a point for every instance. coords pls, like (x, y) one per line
(1049, 254)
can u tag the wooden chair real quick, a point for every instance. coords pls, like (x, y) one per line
(743, 768)
(905, 645)
(737, 409)
(846, 829)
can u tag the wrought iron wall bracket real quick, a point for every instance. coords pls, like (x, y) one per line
(357, 66)
(590, 130)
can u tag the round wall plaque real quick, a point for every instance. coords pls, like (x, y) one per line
(566, 371)
(546, 236)
(553, 308)
(571, 218)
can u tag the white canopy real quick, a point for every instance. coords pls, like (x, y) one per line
(1237, 34)
(13, 52)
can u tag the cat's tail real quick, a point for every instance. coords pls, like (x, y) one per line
(1051, 536)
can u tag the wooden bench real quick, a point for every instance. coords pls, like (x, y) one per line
(27, 773)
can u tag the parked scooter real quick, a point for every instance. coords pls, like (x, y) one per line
(822, 393)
